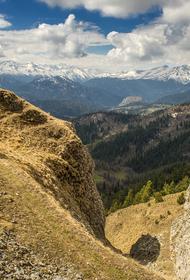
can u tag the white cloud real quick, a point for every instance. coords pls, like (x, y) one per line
(3, 22)
(166, 40)
(177, 13)
(141, 45)
(123, 8)
(57, 42)
(116, 8)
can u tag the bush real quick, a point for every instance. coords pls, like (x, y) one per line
(168, 188)
(144, 194)
(183, 184)
(158, 197)
(162, 217)
(128, 199)
(181, 199)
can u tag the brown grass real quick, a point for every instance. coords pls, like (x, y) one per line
(125, 227)
(48, 197)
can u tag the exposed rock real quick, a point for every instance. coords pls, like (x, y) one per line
(20, 262)
(180, 237)
(146, 249)
(10, 102)
(34, 116)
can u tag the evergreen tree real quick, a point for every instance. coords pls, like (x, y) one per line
(158, 197)
(129, 199)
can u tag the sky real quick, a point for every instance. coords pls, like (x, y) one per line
(107, 35)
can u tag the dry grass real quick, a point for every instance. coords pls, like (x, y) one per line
(48, 197)
(125, 227)
(40, 222)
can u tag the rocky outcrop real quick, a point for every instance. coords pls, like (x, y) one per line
(180, 240)
(49, 150)
(146, 250)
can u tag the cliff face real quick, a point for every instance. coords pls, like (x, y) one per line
(49, 150)
(180, 239)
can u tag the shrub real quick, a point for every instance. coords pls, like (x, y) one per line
(128, 199)
(158, 197)
(168, 188)
(156, 222)
(181, 199)
(144, 194)
(162, 217)
(183, 184)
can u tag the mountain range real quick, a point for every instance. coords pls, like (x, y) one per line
(66, 91)
(163, 73)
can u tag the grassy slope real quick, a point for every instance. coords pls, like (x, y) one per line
(36, 212)
(41, 223)
(125, 227)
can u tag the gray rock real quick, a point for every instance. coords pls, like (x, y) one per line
(19, 262)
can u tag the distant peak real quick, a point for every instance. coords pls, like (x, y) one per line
(180, 73)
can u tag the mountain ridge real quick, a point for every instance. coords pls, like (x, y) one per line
(179, 73)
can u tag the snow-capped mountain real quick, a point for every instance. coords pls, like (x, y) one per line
(70, 91)
(32, 69)
(180, 74)
(164, 73)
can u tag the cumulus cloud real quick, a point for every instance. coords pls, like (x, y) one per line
(144, 44)
(59, 41)
(3, 22)
(122, 8)
(166, 40)
(116, 8)
(177, 12)
(139, 45)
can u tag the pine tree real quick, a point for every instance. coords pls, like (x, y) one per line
(129, 199)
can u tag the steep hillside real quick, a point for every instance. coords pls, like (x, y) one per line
(131, 149)
(100, 126)
(149, 90)
(50, 212)
(47, 147)
(151, 218)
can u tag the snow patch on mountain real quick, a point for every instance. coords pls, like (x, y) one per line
(32, 69)
(178, 73)
(164, 73)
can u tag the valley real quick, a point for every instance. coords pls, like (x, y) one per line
(131, 149)
(140, 167)
(94, 140)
